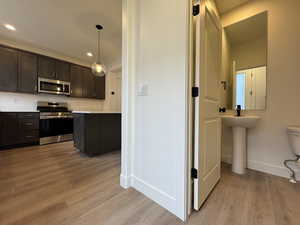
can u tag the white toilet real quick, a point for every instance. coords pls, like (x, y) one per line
(294, 139)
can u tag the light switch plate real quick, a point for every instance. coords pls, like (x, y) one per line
(142, 90)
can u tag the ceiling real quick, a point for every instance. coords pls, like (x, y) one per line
(66, 27)
(248, 29)
(227, 5)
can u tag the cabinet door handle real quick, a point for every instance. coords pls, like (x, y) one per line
(29, 136)
(28, 124)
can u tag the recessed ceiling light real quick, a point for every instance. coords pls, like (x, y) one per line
(10, 27)
(89, 54)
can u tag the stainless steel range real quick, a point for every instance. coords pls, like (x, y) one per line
(56, 122)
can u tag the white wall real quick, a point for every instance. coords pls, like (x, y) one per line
(268, 144)
(156, 55)
(250, 54)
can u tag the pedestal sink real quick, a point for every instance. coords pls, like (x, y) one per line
(239, 126)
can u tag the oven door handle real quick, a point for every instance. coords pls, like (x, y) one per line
(55, 117)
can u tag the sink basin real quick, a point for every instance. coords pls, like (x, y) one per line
(239, 127)
(240, 121)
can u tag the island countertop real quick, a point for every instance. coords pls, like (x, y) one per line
(96, 112)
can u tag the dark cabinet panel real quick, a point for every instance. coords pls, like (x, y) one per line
(9, 129)
(62, 71)
(28, 124)
(28, 136)
(96, 134)
(78, 131)
(76, 81)
(88, 83)
(18, 128)
(27, 77)
(8, 69)
(29, 115)
(100, 87)
(47, 68)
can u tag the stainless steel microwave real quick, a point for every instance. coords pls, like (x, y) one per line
(54, 87)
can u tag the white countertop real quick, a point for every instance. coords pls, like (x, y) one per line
(96, 112)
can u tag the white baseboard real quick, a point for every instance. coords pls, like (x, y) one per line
(227, 159)
(154, 194)
(125, 181)
(280, 171)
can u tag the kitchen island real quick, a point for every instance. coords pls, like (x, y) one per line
(96, 133)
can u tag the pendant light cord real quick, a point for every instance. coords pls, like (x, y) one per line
(98, 60)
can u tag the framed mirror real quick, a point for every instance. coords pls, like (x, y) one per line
(244, 63)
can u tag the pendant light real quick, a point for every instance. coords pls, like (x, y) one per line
(98, 69)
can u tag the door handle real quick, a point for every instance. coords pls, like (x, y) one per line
(222, 109)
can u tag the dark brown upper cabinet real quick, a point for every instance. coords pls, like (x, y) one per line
(62, 70)
(47, 68)
(8, 69)
(27, 76)
(88, 83)
(20, 70)
(100, 87)
(53, 69)
(76, 81)
(85, 84)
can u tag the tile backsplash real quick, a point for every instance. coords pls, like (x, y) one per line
(27, 102)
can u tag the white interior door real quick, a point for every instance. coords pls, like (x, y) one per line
(208, 122)
(250, 101)
(260, 83)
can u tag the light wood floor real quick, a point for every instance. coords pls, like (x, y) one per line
(54, 185)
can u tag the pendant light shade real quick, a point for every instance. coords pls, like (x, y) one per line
(98, 68)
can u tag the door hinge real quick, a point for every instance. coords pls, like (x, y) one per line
(194, 173)
(195, 92)
(196, 10)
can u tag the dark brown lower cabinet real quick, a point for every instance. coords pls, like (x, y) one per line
(9, 128)
(18, 129)
(97, 133)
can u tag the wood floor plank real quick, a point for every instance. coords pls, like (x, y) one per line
(56, 185)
